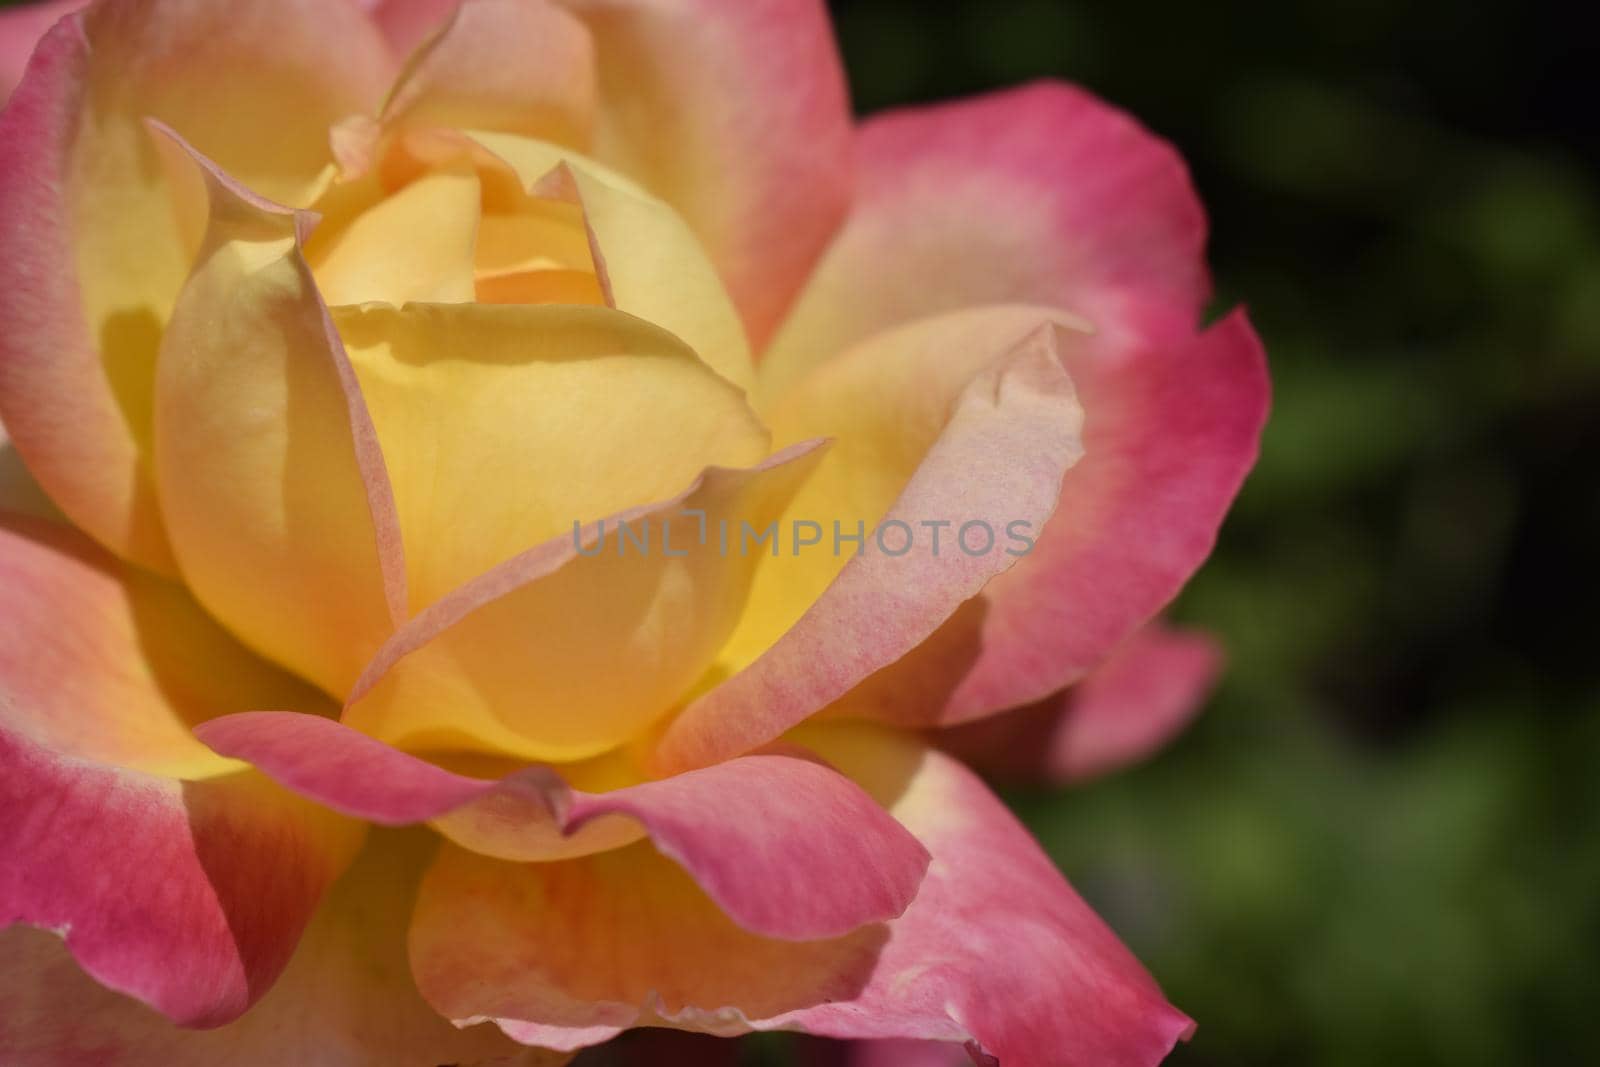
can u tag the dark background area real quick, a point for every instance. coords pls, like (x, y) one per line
(1381, 842)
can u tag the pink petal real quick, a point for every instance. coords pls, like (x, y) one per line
(1120, 713)
(20, 30)
(1048, 196)
(346, 997)
(1011, 435)
(997, 949)
(1169, 436)
(785, 846)
(1039, 195)
(737, 115)
(188, 894)
(407, 23)
(565, 955)
(113, 665)
(1167, 446)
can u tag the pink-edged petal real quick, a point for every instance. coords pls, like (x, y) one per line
(63, 412)
(408, 23)
(189, 896)
(523, 659)
(1048, 196)
(346, 998)
(1010, 434)
(516, 66)
(1129, 707)
(785, 846)
(175, 875)
(736, 115)
(565, 955)
(255, 84)
(1169, 436)
(997, 949)
(109, 663)
(21, 28)
(271, 478)
(1040, 195)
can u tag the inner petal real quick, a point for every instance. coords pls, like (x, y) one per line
(415, 245)
(502, 426)
(441, 236)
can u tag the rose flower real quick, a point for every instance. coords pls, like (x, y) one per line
(504, 499)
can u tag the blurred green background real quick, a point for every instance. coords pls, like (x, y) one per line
(1381, 842)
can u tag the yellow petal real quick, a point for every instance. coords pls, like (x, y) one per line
(650, 263)
(565, 652)
(503, 425)
(266, 464)
(541, 287)
(418, 244)
(884, 402)
(89, 214)
(538, 233)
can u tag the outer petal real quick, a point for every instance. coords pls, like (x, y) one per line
(1042, 195)
(1123, 711)
(20, 30)
(271, 479)
(502, 426)
(1046, 195)
(787, 847)
(737, 116)
(564, 955)
(977, 445)
(254, 84)
(187, 894)
(517, 66)
(997, 948)
(111, 664)
(1169, 437)
(346, 999)
(523, 660)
